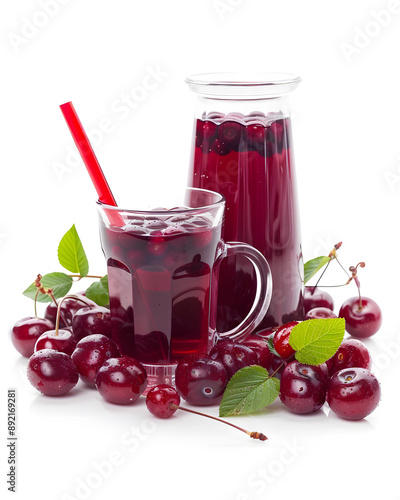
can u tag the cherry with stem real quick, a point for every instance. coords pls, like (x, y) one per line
(363, 316)
(163, 400)
(254, 435)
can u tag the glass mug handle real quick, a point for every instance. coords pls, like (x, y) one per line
(263, 292)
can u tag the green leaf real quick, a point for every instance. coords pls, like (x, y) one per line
(60, 283)
(317, 340)
(98, 292)
(71, 254)
(249, 390)
(313, 266)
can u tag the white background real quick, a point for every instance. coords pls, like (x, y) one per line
(346, 139)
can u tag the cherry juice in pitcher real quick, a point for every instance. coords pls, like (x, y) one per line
(247, 157)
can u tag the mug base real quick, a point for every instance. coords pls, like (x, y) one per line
(159, 374)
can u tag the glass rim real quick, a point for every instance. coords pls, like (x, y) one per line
(183, 210)
(243, 85)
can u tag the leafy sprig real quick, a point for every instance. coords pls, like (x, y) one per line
(72, 257)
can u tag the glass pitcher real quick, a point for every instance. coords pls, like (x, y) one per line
(242, 148)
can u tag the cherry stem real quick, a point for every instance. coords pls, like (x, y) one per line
(332, 255)
(353, 270)
(337, 260)
(76, 297)
(87, 276)
(254, 435)
(290, 358)
(333, 286)
(277, 370)
(36, 296)
(50, 292)
(45, 291)
(319, 279)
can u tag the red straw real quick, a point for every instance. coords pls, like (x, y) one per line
(86, 151)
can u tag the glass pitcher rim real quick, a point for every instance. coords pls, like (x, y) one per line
(242, 85)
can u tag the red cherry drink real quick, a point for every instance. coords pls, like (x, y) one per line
(249, 160)
(159, 272)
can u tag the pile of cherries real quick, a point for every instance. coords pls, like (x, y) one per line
(81, 347)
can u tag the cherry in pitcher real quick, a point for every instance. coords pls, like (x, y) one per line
(242, 148)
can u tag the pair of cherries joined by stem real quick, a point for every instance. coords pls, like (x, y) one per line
(363, 316)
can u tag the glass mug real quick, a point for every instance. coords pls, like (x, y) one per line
(243, 149)
(163, 269)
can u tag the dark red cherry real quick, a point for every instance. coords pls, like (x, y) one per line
(303, 387)
(209, 129)
(314, 297)
(362, 320)
(163, 401)
(353, 393)
(273, 363)
(256, 137)
(26, 332)
(275, 134)
(233, 356)
(200, 380)
(352, 353)
(91, 353)
(230, 132)
(121, 380)
(51, 372)
(62, 341)
(208, 133)
(91, 320)
(220, 147)
(260, 347)
(156, 243)
(159, 400)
